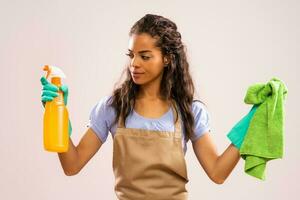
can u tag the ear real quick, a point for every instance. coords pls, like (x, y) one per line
(166, 60)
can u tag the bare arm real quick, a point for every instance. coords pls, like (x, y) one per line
(76, 158)
(217, 167)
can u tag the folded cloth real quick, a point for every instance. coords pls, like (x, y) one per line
(237, 133)
(264, 139)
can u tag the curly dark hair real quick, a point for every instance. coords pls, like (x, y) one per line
(176, 84)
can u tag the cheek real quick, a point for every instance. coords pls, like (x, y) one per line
(155, 66)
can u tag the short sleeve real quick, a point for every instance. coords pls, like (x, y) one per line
(101, 118)
(202, 120)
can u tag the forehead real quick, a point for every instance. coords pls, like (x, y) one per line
(142, 41)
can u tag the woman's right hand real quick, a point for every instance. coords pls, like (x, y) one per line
(50, 91)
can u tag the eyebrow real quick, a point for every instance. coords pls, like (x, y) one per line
(143, 51)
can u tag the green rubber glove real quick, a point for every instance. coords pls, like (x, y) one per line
(238, 132)
(50, 91)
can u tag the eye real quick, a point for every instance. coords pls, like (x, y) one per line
(145, 57)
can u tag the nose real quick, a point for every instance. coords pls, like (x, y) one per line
(135, 62)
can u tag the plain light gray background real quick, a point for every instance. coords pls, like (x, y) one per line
(231, 45)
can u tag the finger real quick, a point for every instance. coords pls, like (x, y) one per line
(50, 87)
(64, 88)
(70, 128)
(46, 98)
(65, 100)
(49, 93)
(44, 81)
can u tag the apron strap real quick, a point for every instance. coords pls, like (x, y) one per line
(121, 123)
(177, 119)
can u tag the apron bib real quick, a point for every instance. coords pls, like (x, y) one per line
(149, 164)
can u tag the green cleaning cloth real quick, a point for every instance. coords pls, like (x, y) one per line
(264, 139)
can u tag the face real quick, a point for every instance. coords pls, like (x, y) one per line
(146, 61)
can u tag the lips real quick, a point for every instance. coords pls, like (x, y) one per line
(136, 74)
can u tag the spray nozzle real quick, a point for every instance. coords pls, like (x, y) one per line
(53, 71)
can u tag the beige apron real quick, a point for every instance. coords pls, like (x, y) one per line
(149, 164)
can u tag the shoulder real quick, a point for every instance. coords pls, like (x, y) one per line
(103, 107)
(199, 107)
(201, 113)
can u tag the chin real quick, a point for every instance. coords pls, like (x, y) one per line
(138, 82)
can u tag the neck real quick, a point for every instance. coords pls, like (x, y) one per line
(150, 91)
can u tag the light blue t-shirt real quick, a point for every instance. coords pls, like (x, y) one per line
(103, 115)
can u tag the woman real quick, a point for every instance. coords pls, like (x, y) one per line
(151, 117)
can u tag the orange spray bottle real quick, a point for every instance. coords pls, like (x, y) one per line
(56, 117)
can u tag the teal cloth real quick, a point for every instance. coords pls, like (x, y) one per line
(264, 140)
(237, 133)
